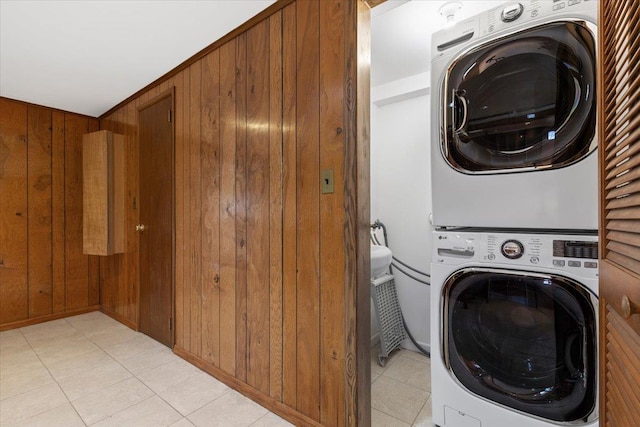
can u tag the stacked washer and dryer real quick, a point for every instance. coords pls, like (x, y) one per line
(514, 294)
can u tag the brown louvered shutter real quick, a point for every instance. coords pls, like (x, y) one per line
(619, 145)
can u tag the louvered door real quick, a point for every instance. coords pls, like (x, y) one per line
(619, 135)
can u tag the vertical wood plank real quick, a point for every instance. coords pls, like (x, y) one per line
(332, 208)
(356, 206)
(77, 294)
(210, 129)
(117, 262)
(94, 261)
(258, 179)
(57, 212)
(289, 202)
(308, 176)
(186, 250)
(131, 195)
(228, 207)
(179, 209)
(108, 290)
(275, 206)
(39, 211)
(196, 206)
(14, 295)
(241, 207)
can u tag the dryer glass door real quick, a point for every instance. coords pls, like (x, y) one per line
(524, 340)
(525, 101)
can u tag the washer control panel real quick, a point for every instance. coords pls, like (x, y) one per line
(512, 12)
(576, 253)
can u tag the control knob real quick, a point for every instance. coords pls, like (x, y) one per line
(512, 12)
(512, 249)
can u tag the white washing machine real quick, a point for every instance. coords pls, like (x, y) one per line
(514, 329)
(514, 118)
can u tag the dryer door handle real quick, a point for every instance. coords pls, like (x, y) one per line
(459, 101)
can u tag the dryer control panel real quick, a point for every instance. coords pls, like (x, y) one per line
(577, 253)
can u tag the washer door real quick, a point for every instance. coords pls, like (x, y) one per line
(525, 101)
(524, 340)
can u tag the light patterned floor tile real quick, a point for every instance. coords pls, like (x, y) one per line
(127, 349)
(111, 400)
(91, 322)
(153, 412)
(108, 337)
(91, 381)
(148, 359)
(397, 399)
(424, 417)
(230, 410)
(18, 384)
(61, 416)
(30, 404)
(182, 423)
(271, 420)
(193, 393)
(63, 350)
(410, 371)
(168, 375)
(14, 364)
(380, 419)
(79, 364)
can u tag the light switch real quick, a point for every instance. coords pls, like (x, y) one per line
(327, 181)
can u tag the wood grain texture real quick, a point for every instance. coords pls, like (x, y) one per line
(258, 203)
(289, 208)
(210, 166)
(76, 263)
(185, 251)
(332, 280)
(308, 209)
(195, 254)
(39, 211)
(14, 292)
(275, 206)
(179, 328)
(57, 213)
(241, 207)
(228, 317)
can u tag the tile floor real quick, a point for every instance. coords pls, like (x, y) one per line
(401, 390)
(91, 370)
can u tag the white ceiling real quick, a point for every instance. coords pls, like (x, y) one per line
(87, 56)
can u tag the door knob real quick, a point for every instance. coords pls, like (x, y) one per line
(140, 227)
(628, 307)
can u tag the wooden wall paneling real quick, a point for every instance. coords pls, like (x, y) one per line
(258, 179)
(131, 195)
(180, 244)
(57, 212)
(275, 206)
(196, 209)
(39, 211)
(14, 294)
(210, 161)
(77, 294)
(308, 185)
(186, 206)
(332, 77)
(120, 259)
(108, 287)
(228, 207)
(289, 208)
(94, 261)
(241, 207)
(357, 295)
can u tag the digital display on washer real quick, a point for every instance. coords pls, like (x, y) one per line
(575, 249)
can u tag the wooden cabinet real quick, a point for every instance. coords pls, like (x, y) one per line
(103, 198)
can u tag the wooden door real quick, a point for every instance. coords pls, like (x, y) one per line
(156, 219)
(619, 139)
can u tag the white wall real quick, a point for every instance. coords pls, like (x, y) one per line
(401, 188)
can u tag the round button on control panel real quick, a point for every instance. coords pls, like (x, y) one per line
(512, 12)
(512, 249)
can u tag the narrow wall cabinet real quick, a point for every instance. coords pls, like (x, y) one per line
(103, 198)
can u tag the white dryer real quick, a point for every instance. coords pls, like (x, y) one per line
(514, 118)
(514, 329)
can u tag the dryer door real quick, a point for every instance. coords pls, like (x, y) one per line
(523, 340)
(525, 101)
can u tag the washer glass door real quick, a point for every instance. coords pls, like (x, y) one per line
(525, 101)
(524, 340)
